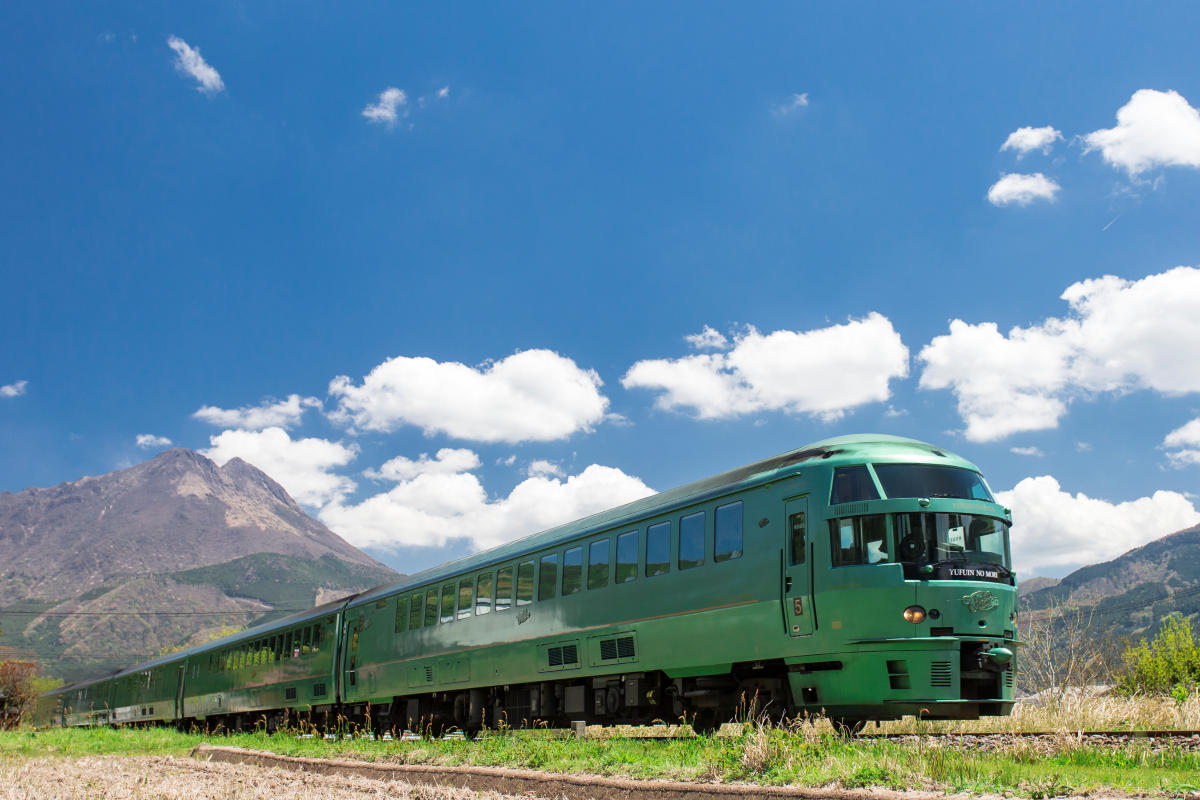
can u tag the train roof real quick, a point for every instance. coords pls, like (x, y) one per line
(838, 450)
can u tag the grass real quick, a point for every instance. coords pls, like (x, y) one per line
(804, 755)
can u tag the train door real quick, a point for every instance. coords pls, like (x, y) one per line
(797, 568)
(179, 694)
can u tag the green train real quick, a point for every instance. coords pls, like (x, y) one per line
(864, 577)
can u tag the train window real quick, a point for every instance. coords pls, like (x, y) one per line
(466, 591)
(318, 630)
(401, 613)
(431, 607)
(858, 540)
(658, 549)
(598, 564)
(627, 557)
(852, 485)
(381, 604)
(287, 644)
(728, 538)
(525, 583)
(504, 588)
(306, 648)
(798, 538)
(278, 647)
(414, 613)
(297, 643)
(447, 602)
(242, 655)
(931, 480)
(548, 580)
(210, 663)
(483, 594)
(691, 540)
(572, 570)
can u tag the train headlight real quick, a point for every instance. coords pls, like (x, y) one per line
(914, 614)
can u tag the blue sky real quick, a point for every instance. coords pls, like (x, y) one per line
(208, 208)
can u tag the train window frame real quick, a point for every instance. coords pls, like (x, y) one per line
(627, 571)
(416, 609)
(854, 498)
(599, 574)
(691, 519)
(837, 538)
(654, 535)
(465, 608)
(547, 577)
(449, 596)
(508, 573)
(431, 606)
(572, 573)
(525, 600)
(483, 598)
(401, 613)
(720, 555)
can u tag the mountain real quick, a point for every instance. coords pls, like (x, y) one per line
(1030, 585)
(85, 565)
(1134, 591)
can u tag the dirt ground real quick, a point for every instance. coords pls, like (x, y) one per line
(142, 778)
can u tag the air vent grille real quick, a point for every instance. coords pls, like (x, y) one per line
(608, 649)
(429, 673)
(289, 693)
(848, 509)
(625, 647)
(318, 690)
(563, 656)
(1008, 678)
(617, 648)
(939, 674)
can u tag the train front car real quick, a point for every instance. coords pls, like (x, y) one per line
(915, 599)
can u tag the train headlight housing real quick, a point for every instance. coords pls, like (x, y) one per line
(914, 614)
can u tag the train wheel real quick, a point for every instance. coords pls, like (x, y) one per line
(848, 726)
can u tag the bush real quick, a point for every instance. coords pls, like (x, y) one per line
(19, 688)
(1170, 664)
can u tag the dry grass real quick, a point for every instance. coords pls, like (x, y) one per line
(169, 778)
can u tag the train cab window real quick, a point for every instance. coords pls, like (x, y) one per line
(658, 549)
(852, 485)
(729, 532)
(483, 594)
(504, 588)
(858, 540)
(598, 564)
(431, 607)
(931, 480)
(797, 538)
(318, 630)
(627, 557)
(414, 612)
(525, 583)
(548, 580)
(447, 602)
(466, 597)
(572, 570)
(401, 613)
(691, 541)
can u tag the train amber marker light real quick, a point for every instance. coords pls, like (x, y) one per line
(721, 599)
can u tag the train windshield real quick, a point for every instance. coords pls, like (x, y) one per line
(931, 480)
(924, 538)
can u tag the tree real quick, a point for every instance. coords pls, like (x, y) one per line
(1169, 664)
(19, 684)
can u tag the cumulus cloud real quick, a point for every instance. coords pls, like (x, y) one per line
(388, 109)
(1024, 140)
(447, 461)
(1053, 529)
(148, 440)
(302, 466)
(1153, 129)
(792, 105)
(707, 338)
(270, 414)
(443, 92)
(535, 395)
(1022, 189)
(1027, 451)
(1187, 438)
(542, 467)
(188, 62)
(13, 389)
(1124, 336)
(823, 372)
(431, 505)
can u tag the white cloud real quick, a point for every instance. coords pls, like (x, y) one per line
(391, 100)
(1187, 438)
(148, 440)
(1153, 129)
(1124, 335)
(432, 506)
(443, 93)
(1083, 447)
(301, 466)
(707, 338)
(1052, 528)
(448, 461)
(507, 462)
(1024, 140)
(188, 62)
(278, 414)
(534, 395)
(542, 467)
(1027, 451)
(823, 372)
(792, 104)
(13, 389)
(1022, 189)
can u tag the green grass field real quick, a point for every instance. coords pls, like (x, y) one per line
(803, 757)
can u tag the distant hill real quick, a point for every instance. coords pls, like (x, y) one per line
(1133, 591)
(81, 562)
(1030, 585)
